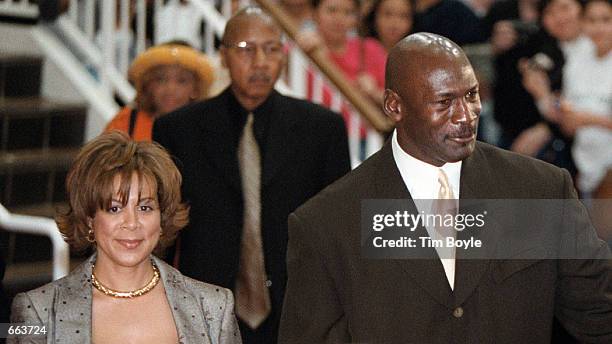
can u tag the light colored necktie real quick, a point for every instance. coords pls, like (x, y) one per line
(446, 205)
(446, 191)
(252, 295)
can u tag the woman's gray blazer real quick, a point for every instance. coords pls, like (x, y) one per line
(203, 313)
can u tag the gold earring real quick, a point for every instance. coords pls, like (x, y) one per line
(90, 236)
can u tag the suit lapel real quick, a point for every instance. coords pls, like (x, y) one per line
(476, 183)
(219, 147)
(72, 306)
(428, 273)
(190, 325)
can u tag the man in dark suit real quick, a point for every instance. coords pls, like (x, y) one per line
(302, 148)
(336, 293)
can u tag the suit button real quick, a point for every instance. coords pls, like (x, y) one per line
(458, 312)
(268, 283)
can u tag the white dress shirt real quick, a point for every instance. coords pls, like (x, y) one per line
(421, 179)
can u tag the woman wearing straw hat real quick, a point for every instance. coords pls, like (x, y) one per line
(166, 77)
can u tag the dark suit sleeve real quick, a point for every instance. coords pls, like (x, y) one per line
(584, 292)
(337, 159)
(160, 133)
(164, 134)
(312, 312)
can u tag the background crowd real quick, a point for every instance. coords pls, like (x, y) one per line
(545, 79)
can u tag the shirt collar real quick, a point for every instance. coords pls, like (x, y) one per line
(421, 178)
(262, 110)
(262, 116)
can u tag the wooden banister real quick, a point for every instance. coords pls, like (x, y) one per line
(363, 105)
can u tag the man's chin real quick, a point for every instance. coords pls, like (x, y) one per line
(459, 154)
(261, 91)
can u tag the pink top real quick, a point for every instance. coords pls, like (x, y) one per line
(361, 55)
(373, 59)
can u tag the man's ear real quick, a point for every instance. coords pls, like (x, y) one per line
(392, 105)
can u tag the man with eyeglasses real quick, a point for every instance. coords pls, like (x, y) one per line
(249, 157)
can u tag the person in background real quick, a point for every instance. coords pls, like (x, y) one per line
(166, 77)
(249, 157)
(179, 20)
(588, 91)
(300, 11)
(508, 22)
(361, 59)
(479, 7)
(389, 21)
(450, 18)
(525, 127)
(125, 202)
(584, 108)
(50, 10)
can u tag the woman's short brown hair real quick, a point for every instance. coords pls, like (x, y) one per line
(90, 185)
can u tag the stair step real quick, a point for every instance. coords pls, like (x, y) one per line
(37, 159)
(21, 248)
(30, 123)
(31, 177)
(36, 107)
(20, 75)
(42, 209)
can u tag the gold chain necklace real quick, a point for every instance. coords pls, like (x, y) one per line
(126, 294)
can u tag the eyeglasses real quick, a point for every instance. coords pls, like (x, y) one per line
(272, 50)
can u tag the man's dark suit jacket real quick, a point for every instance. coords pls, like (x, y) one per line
(306, 149)
(336, 295)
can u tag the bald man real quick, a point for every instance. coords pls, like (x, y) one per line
(249, 157)
(341, 289)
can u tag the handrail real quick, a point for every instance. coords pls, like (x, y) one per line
(212, 16)
(93, 54)
(100, 102)
(40, 226)
(23, 8)
(365, 107)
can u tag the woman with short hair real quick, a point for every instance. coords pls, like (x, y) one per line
(125, 202)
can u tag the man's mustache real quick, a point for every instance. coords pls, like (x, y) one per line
(463, 131)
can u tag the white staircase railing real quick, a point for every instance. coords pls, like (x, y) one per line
(39, 226)
(19, 8)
